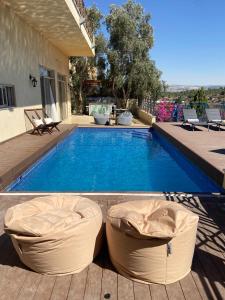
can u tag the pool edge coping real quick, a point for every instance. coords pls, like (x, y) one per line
(213, 172)
(12, 174)
(59, 139)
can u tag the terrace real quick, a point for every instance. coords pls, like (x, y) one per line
(101, 281)
(145, 158)
(205, 148)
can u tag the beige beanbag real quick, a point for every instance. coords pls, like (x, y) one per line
(55, 235)
(151, 241)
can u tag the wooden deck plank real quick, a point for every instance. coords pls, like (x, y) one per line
(214, 278)
(109, 280)
(141, 291)
(7, 260)
(29, 286)
(45, 287)
(94, 282)
(174, 291)
(201, 281)
(77, 286)
(158, 291)
(13, 277)
(208, 253)
(189, 288)
(125, 288)
(206, 281)
(61, 287)
(210, 262)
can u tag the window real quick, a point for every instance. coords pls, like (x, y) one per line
(47, 86)
(7, 95)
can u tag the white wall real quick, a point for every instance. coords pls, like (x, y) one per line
(22, 50)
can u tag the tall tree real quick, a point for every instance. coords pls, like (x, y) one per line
(131, 71)
(199, 101)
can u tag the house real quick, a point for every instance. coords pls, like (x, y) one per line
(36, 40)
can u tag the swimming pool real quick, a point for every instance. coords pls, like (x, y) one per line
(112, 159)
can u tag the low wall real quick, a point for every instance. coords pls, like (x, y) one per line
(145, 117)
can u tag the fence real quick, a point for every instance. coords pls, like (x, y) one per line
(166, 111)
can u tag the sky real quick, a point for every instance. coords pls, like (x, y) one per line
(189, 38)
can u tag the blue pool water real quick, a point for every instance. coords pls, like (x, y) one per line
(109, 159)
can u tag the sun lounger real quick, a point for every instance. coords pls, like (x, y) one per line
(191, 119)
(38, 125)
(214, 117)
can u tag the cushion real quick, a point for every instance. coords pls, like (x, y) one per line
(38, 122)
(146, 239)
(216, 121)
(48, 120)
(55, 235)
(193, 120)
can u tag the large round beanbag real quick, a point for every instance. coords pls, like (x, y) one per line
(55, 235)
(151, 241)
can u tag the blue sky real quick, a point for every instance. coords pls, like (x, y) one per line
(189, 38)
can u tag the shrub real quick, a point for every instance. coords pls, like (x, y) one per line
(167, 112)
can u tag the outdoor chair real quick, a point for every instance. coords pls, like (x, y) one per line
(214, 117)
(41, 121)
(191, 119)
(47, 120)
(125, 118)
(151, 241)
(38, 125)
(55, 235)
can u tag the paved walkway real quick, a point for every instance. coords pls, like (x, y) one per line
(101, 281)
(85, 120)
(205, 148)
(22, 151)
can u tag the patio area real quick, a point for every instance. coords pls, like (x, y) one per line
(85, 120)
(204, 148)
(101, 281)
(19, 153)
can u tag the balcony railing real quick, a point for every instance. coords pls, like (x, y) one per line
(79, 4)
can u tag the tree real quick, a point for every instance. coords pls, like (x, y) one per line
(83, 68)
(131, 71)
(199, 101)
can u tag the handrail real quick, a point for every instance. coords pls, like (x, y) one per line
(79, 4)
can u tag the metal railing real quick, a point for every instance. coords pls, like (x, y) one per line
(79, 4)
(174, 112)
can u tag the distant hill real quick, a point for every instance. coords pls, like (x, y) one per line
(181, 88)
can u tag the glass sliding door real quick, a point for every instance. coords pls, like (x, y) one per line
(48, 93)
(62, 91)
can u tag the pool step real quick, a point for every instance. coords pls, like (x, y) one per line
(140, 134)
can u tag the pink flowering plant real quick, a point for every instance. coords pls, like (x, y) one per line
(168, 111)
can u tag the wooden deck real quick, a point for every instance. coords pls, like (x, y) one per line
(19, 153)
(101, 281)
(205, 148)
